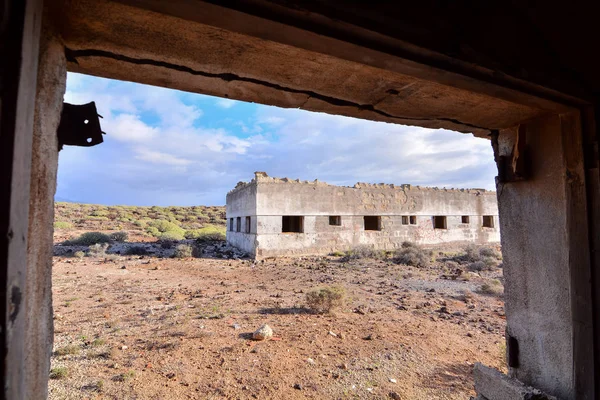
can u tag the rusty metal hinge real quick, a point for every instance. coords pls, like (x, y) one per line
(79, 126)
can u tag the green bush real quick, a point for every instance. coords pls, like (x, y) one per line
(183, 251)
(167, 226)
(325, 300)
(210, 233)
(99, 213)
(119, 236)
(152, 231)
(87, 239)
(171, 236)
(62, 225)
(413, 255)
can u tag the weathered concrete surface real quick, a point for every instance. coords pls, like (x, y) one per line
(52, 78)
(267, 199)
(538, 263)
(195, 48)
(490, 384)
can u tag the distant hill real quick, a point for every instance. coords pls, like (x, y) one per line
(151, 221)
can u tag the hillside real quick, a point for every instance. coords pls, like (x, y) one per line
(152, 222)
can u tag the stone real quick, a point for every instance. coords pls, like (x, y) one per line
(263, 333)
(394, 396)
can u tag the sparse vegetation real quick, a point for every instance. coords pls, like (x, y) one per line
(493, 288)
(119, 236)
(79, 254)
(326, 299)
(59, 373)
(88, 239)
(183, 251)
(67, 350)
(413, 255)
(98, 250)
(62, 225)
(362, 252)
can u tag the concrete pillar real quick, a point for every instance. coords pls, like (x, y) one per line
(52, 77)
(543, 221)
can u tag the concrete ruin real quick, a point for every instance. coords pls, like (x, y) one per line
(522, 74)
(279, 216)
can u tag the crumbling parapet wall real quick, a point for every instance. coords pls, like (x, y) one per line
(266, 199)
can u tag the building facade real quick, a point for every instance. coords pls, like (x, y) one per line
(277, 217)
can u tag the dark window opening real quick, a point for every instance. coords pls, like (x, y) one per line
(238, 227)
(231, 224)
(335, 220)
(464, 219)
(413, 220)
(488, 221)
(439, 222)
(404, 220)
(248, 224)
(372, 223)
(292, 223)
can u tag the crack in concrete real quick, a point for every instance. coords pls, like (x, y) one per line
(72, 56)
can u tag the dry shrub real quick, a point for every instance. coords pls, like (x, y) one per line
(183, 251)
(361, 252)
(413, 255)
(98, 250)
(492, 288)
(119, 236)
(326, 299)
(88, 239)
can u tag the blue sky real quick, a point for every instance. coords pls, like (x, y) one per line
(165, 147)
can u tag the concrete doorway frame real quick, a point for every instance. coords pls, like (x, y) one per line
(543, 142)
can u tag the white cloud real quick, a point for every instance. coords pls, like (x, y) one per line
(160, 150)
(225, 103)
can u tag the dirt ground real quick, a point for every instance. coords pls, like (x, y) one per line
(144, 327)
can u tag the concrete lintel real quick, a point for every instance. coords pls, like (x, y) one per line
(491, 384)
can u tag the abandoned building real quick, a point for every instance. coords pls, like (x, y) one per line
(522, 74)
(274, 217)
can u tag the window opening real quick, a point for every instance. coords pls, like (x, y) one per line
(404, 220)
(464, 219)
(372, 223)
(439, 222)
(413, 220)
(335, 220)
(248, 224)
(292, 223)
(488, 221)
(238, 228)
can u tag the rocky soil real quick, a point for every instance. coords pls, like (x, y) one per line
(154, 327)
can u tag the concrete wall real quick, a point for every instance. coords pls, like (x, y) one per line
(241, 203)
(539, 263)
(316, 201)
(52, 77)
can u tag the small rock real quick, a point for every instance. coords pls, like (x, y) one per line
(310, 361)
(298, 386)
(123, 267)
(263, 333)
(368, 337)
(124, 347)
(394, 396)
(344, 366)
(333, 334)
(393, 380)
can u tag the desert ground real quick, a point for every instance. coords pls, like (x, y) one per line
(162, 322)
